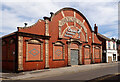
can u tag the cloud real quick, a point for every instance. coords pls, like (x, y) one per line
(100, 12)
(60, 1)
(111, 34)
(105, 15)
(16, 12)
(10, 21)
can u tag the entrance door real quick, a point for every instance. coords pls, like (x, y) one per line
(74, 57)
(114, 57)
(109, 59)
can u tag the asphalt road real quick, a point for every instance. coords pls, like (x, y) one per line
(85, 75)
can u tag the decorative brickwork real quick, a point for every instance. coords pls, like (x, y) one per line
(71, 31)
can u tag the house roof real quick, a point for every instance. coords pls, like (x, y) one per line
(106, 38)
(24, 34)
(8, 35)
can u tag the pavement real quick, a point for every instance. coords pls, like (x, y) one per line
(44, 73)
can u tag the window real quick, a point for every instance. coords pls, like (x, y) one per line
(108, 44)
(3, 43)
(97, 52)
(87, 52)
(34, 50)
(114, 45)
(87, 55)
(114, 57)
(58, 51)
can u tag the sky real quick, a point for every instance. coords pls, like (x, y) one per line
(14, 13)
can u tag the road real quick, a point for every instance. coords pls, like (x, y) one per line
(85, 75)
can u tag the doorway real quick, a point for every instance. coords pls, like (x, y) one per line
(114, 57)
(74, 56)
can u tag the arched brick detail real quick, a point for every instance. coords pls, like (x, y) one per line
(79, 48)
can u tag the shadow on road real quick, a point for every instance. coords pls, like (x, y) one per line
(115, 77)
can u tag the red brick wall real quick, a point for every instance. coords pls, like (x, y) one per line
(96, 39)
(8, 54)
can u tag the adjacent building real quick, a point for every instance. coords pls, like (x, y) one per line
(63, 39)
(109, 49)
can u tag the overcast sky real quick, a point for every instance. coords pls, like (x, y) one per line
(16, 12)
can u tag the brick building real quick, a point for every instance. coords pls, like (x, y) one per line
(64, 39)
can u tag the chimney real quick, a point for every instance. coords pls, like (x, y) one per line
(95, 29)
(51, 14)
(25, 24)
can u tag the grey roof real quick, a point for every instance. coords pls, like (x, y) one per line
(106, 38)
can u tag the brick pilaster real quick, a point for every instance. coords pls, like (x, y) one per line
(20, 53)
(46, 42)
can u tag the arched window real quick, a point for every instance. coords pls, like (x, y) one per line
(11, 41)
(58, 51)
(3, 42)
(87, 54)
(97, 52)
(34, 50)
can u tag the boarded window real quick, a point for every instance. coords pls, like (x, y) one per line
(87, 53)
(34, 50)
(58, 51)
(97, 52)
